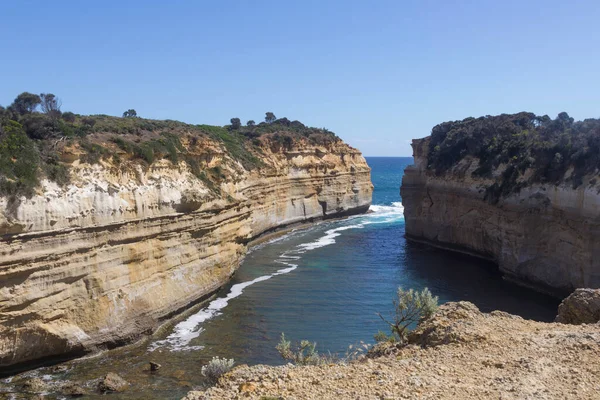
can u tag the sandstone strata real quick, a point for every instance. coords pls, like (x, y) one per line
(460, 353)
(544, 236)
(108, 257)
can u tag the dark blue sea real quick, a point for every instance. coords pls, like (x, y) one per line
(325, 284)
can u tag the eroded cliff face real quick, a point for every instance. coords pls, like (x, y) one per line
(105, 259)
(544, 236)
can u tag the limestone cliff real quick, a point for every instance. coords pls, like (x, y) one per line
(541, 233)
(107, 257)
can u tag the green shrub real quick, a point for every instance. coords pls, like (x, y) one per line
(57, 172)
(520, 141)
(237, 145)
(68, 116)
(88, 121)
(38, 126)
(304, 353)
(19, 161)
(216, 368)
(93, 152)
(410, 308)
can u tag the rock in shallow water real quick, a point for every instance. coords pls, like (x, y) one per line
(73, 390)
(112, 383)
(154, 366)
(34, 385)
(581, 307)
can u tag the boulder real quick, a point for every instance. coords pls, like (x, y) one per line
(73, 390)
(112, 383)
(452, 323)
(581, 307)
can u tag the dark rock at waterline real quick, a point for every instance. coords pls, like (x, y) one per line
(59, 369)
(154, 366)
(112, 383)
(73, 390)
(581, 307)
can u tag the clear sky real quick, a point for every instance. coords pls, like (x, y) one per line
(378, 73)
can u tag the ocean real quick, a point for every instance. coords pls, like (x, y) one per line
(326, 283)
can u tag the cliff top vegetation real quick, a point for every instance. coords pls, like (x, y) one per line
(34, 130)
(530, 148)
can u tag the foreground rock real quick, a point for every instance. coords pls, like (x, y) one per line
(73, 390)
(124, 246)
(460, 353)
(112, 383)
(581, 307)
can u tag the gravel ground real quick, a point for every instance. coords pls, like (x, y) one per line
(460, 353)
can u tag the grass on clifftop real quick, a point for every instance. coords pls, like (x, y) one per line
(33, 131)
(548, 147)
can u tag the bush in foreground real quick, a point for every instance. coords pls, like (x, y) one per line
(410, 308)
(216, 368)
(304, 353)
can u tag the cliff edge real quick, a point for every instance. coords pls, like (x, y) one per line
(126, 221)
(460, 353)
(520, 190)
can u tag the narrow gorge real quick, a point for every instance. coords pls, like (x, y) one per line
(130, 241)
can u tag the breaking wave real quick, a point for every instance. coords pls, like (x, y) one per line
(189, 329)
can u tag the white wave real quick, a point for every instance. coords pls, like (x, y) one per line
(285, 270)
(395, 208)
(189, 329)
(379, 214)
(329, 237)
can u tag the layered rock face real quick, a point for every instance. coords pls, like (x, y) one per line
(105, 259)
(543, 236)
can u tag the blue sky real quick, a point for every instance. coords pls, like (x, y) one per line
(377, 73)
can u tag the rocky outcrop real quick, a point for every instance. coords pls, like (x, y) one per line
(581, 307)
(460, 353)
(544, 236)
(107, 258)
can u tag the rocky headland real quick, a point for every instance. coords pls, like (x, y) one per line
(520, 190)
(116, 224)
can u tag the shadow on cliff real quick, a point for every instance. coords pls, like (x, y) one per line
(454, 277)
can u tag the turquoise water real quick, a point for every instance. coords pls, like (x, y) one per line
(328, 283)
(325, 283)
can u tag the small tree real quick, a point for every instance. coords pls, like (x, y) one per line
(270, 117)
(235, 123)
(50, 105)
(130, 113)
(26, 103)
(250, 123)
(410, 308)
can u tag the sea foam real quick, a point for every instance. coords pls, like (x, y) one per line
(189, 329)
